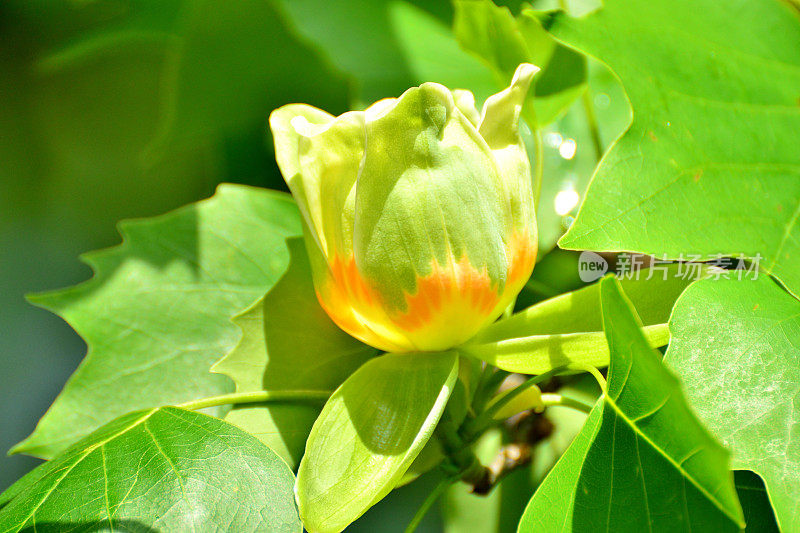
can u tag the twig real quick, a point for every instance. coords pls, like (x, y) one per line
(508, 459)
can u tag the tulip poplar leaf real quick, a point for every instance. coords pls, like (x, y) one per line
(369, 433)
(569, 328)
(156, 315)
(710, 163)
(642, 456)
(736, 345)
(164, 469)
(288, 342)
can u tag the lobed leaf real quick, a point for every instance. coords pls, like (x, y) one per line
(288, 342)
(162, 469)
(156, 315)
(736, 344)
(710, 163)
(642, 457)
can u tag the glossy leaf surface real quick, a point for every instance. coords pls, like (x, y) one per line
(737, 348)
(710, 163)
(157, 313)
(642, 457)
(288, 343)
(163, 469)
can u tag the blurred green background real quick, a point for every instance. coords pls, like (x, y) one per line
(115, 109)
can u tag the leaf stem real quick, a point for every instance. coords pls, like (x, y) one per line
(593, 371)
(549, 399)
(473, 428)
(429, 501)
(281, 396)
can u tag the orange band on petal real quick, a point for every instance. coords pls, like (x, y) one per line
(450, 304)
(522, 258)
(459, 286)
(352, 304)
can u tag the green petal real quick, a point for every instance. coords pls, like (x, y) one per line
(499, 126)
(319, 156)
(465, 102)
(287, 145)
(429, 189)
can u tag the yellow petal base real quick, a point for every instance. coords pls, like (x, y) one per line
(451, 303)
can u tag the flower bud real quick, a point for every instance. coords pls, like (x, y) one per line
(418, 212)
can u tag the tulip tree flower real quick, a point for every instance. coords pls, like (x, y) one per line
(418, 211)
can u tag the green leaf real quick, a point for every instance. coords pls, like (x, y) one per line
(412, 37)
(457, 406)
(503, 42)
(163, 469)
(568, 328)
(566, 174)
(432, 53)
(737, 347)
(288, 342)
(369, 433)
(755, 504)
(710, 163)
(642, 457)
(428, 458)
(156, 315)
